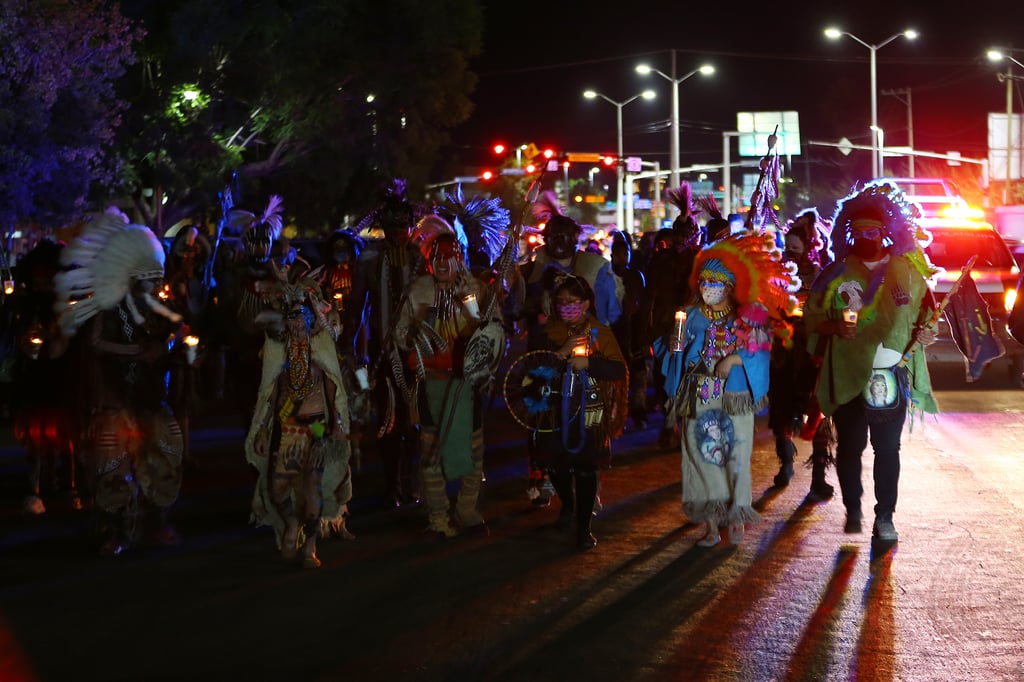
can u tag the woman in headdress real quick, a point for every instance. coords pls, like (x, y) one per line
(742, 289)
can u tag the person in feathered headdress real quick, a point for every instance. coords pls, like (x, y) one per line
(298, 436)
(668, 276)
(794, 371)
(743, 300)
(384, 271)
(113, 270)
(868, 311)
(435, 323)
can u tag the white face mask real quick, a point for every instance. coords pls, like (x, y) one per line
(712, 293)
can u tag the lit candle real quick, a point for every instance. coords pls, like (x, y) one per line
(9, 286)
(362, 378)
(190, 347)
(580, 351)
(37, 345)
(679, 331)
(472, 309)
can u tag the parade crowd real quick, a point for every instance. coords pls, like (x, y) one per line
(395, 331)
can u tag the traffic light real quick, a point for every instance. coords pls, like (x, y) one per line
(499, 148)
(608, 161)
(487, 176)
(531, 168)
(549, 153)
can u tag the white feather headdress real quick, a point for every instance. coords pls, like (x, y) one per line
(103, 262)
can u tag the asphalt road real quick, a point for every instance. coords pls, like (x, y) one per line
(798, 600)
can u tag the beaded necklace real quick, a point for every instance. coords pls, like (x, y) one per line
(720, 339)
(300, 375)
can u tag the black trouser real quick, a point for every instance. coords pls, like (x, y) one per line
(852, 431)
(582, 502)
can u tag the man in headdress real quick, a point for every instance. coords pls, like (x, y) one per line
(298, 439)
(384, 271)
(435, 324)
(136, 444)
(869, 310)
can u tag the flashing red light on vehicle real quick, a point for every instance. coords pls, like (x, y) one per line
(608, 160)
(487, 176)
(499, 148)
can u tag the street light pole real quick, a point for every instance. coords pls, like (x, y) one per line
(909, 34)
(704, 70)
(646, 94)
(996, 56)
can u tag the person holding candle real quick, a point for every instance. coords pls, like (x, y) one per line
(434, 325)
(869, 311)
(741, 284)
(573, 456)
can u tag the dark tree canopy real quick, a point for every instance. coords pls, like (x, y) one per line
(279, 93)
(58, 110)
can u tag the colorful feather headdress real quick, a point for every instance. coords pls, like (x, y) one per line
(753, 265)
(427, 231)
(394, 210)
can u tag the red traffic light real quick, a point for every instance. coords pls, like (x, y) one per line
(530, 168)
(608, 160)
(548, 153)
(499, 148)
(487, 176)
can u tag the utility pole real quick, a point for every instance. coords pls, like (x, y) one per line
(898, 94)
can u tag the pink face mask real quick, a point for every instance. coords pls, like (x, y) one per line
(570, 311)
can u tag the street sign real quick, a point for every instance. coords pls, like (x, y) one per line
(584, 158)
(467, 178)
(756, 126)
(845, 146)
(634, 164)
(553, 165)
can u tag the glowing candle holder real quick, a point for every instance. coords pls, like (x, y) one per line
(581, 351)
(472, 308)
(37, 345)
(362, 377)
(850, 316)
(191, 342)
(678, 332)
(8, 286)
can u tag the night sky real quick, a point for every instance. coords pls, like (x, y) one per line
(539, 57)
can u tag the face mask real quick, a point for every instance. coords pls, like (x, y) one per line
(713, 293)
(866, 249)
(570, 311)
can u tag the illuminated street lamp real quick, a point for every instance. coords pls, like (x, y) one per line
(646, 94)
(704, 70)
(996, 55)
(836, 34)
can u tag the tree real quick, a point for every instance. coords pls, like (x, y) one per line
(320, 101)
(58, 110)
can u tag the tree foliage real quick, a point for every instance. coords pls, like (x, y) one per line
(58, 110)
(281, 96)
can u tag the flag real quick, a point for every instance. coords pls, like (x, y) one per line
(971, 327)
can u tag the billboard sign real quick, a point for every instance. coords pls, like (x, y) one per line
(755, 127)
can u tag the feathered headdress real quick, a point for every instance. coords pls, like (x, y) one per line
(259, 232)
(483, 221)
(103, 262)
(547, 210)
(394, 211)
(682, 199)
(427, 231)
(884, 202)
(717, 226)
(753, 265)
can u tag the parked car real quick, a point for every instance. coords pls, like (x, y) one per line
(954, 242)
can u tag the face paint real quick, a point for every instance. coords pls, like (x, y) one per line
(446, 262)
(712, 293)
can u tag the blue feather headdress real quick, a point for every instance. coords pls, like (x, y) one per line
(481, 224)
